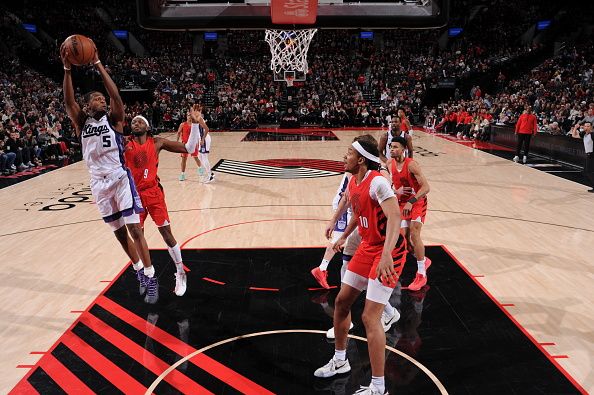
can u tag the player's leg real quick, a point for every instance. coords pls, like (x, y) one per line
(416, 225)
(204, 151)
(184, 160)
(342, 319)
(320, 273)
(176, 255)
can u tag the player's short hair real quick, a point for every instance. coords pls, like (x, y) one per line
(400, 140)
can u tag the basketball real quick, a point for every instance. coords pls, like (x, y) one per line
(81, 49)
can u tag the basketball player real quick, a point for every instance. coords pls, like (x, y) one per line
(320, 273)
(386, 139)
(411, 188)
(183, 132)
(376, 266)
(111, 184)
(142, 157)
(405, 123)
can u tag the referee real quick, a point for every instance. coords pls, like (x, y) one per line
(585, 132)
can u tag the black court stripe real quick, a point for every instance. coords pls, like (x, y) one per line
(273, 171)
(43, 383)
(92, 379)
(164, 353)
(120, 358)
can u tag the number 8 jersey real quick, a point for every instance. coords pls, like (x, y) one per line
(102, 147)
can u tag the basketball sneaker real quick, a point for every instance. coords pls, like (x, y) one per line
(141, 281)
(420, 280)
(332, 368)
(516, 158)
(388, 321)
(371, 390)
(182, 177)
(321, 277)
(524, 159)
(330, 332)
(180, 283)
(152, 290)
(210, 179)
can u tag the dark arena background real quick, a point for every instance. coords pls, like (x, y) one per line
(495, 98)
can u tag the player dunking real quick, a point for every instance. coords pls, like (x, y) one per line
(411, 188)
(142, 156)
(111, 184)
(386, 139)
(376, 266)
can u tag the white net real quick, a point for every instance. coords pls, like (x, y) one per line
(289, 49)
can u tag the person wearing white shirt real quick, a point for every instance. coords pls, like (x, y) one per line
(585, 132)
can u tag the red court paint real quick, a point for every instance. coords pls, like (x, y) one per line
(213, 281)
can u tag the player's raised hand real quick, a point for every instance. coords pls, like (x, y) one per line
(196, 113)
(64, 54)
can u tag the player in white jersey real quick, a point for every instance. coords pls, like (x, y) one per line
(320, 272)
(386, 139)
(204, 150)
(113, 188)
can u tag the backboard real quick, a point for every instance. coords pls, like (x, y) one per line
(256, 14)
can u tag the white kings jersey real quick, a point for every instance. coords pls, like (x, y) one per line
(102, 147)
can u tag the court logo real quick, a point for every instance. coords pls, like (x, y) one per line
(61, 199)
(281, 168)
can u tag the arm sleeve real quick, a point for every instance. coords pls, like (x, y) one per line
(380, 189)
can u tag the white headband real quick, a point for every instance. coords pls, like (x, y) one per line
(366, 154)
(143, 118)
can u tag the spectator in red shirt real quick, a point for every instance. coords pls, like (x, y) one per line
(526, 127)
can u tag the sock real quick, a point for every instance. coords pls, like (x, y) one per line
(389, 309)
(138, 265)
(183, 173)
(324, 264)
(205, 163)
(421, 267)
(340, 355)
(175, 254)
(379, 383)
(149, 271)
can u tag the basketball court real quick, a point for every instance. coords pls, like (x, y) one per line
(506, 308)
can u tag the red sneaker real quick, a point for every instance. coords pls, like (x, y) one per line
(418, 282)
(427, 263)
(321, 277)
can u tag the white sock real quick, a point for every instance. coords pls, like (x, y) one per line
(379, 383)
(421, 267)
(324, 264)
(175, 254)
(149, 271)
(205, 163)
(340, 355)
(183, 173)
(138, 265)
(389, 309)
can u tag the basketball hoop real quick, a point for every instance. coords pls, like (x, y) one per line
(289, 51)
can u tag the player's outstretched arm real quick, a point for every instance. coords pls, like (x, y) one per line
(75, 114)
(171, 146)
(116, 105)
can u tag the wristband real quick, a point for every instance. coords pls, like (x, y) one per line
(97, 62)
(412, 200)
(67, 69)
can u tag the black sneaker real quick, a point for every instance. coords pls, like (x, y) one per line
(591, 190)
(142, 280)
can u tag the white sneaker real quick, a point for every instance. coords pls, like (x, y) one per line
(332, 368)
(524, 159)
(180, 283)
(388, 321)
(330, 332)
(210, 179)
(371, 390)
(516, 158)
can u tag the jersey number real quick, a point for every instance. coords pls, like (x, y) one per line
(363, 222)
(106, 141)
(145, 173)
